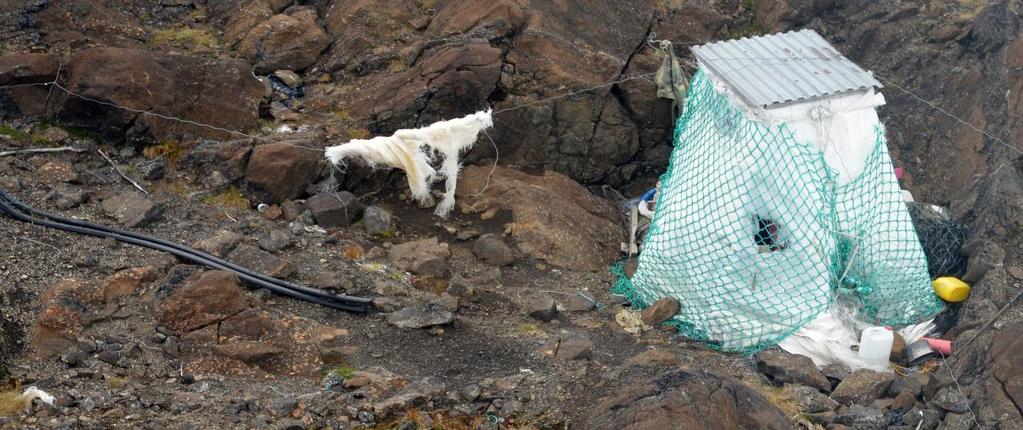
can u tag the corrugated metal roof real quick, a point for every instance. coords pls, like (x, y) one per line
(782, 68)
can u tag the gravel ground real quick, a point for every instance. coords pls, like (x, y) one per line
(491, 337)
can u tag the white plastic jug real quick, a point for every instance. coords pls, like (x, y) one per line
(876, 346)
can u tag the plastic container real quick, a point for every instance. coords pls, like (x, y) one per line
(951, 289)
(876, 346)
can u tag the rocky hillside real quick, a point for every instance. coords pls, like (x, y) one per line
(499, 317)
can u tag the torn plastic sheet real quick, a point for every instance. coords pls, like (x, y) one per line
(412, 150)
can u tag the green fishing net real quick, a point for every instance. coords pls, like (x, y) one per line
(755, 237)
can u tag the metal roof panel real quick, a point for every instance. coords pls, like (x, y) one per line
(782, 68)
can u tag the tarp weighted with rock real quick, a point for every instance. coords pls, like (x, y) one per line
(756, 234)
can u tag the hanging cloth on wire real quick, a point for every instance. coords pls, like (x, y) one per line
(671, 83)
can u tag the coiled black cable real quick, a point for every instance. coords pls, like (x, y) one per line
(22, 212)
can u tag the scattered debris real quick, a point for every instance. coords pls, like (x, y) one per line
(631, 321)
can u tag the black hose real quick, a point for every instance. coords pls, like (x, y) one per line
(14, 208)
(234, 267)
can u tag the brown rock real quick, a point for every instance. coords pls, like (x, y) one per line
(425, 257)
(292, 41)
(131, 209)
(58, 324)
(291, 210)
(217, 92)
(788, 368)
(199, 300)
(28, 68)
(421, 316)
(898, 349)
(575, 347)
(333, 210)
(904, 401)
(543, 308)
(661, 311)
(126, 281)
(456, 77)
(220, 244)
(683, 399)
(1004, 361)
(243, 18)
(260, 261)
(356, 382)
(256, 342)
(248, 352)
(492, 19)
(55, 172)
(18, 69)
(55, 136)
(414, 394)
(65, 196)
(809, 399)
(280, 171)
(548, 213)
(861, 387)
(492, 250)
(580, 302)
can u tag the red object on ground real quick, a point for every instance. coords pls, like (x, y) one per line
(899, 172)
(942, 346)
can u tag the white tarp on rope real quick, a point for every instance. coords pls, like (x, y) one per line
(412, 150)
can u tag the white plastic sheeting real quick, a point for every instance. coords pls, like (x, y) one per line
(412, 150)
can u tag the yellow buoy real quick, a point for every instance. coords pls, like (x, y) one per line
(951, 289)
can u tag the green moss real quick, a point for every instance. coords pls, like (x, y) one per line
(229, 198)
(268, 126)
(343, 372)
(532, 330)
(343, 115)
(13, 133)
(358, 133)
(748, 30)
(169, 150)
(38, 140)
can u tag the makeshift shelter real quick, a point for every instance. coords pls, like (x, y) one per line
(780, 211)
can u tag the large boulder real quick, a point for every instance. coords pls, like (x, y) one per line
(131, 209)
(291, 41)
(553, 218)
(189, 300)
(683, 399)
(1006, 367)
(454, 79)
(997, 212)
(63, 315)
(221, 93)
(369, 34)
(490, 20)
(262, 344)
(18, 69)
(82, 23)
(282, 171)
(422, 257)
(786, 368)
